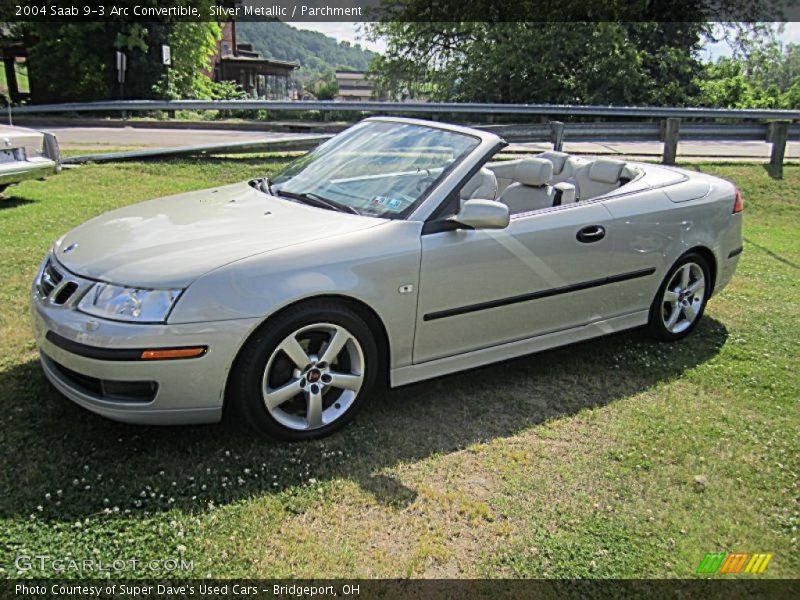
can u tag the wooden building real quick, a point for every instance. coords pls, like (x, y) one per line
(259, 77)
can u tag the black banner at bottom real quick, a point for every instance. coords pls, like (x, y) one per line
(400, 588)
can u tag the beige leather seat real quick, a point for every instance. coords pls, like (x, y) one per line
(530, 190)
(598, 177)
(562, 166)
(482, 185)
(565, 194)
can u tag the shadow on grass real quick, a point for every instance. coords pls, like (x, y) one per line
(7, 202)
(772, 254)
(50, 444)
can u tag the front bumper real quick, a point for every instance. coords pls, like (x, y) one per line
(184, 391)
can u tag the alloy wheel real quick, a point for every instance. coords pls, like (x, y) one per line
(683, 298)
(313, 376)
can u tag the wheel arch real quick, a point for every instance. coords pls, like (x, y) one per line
(710, 258)
(366, 312)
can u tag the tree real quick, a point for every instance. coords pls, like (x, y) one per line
(591, 63)
(652, 57)
(77, 61)
(724, 85)
(762, 73)
(328, 89)
(191, 47)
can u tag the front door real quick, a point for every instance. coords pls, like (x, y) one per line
(545, 272)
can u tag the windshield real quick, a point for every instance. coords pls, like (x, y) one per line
(377, 168)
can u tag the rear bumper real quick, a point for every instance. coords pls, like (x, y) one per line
(727, 268)
(17, 172)
(729, 253)
(182, 391)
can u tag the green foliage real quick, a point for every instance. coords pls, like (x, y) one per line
(191, 47)
(328, 90)
(764, 76)
(317, 54)
(72, 61)
(224, 90)
(77, 62)
(724, 84)
(591, 63)
(634, 51)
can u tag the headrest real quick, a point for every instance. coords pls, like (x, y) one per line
(606, 170)
(482, 185)
(533, 171)
(557, 158)
(629, 172)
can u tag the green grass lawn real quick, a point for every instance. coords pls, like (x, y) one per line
(619, 457)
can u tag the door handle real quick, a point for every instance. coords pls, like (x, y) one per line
(592, 233)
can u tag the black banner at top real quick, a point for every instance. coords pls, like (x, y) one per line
(401, 10)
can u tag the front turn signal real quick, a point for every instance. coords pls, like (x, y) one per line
(173, 353)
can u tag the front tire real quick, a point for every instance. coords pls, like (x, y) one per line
(681, 299)
(305, 373)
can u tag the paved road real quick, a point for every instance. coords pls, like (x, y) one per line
(97, 138)
(93, 139)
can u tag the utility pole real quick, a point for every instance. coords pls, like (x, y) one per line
(122, 64)
(166, 60)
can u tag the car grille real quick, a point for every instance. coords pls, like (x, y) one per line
(104, 389)
(56, 285)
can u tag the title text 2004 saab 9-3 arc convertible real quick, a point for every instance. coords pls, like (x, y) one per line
(394, 252)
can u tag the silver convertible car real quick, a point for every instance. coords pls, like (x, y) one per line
(26, 154)
(395, 252)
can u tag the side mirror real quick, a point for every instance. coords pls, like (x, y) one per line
(482, 214)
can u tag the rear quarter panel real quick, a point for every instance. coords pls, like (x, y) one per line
(655, 227)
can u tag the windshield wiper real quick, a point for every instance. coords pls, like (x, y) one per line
(318, 201)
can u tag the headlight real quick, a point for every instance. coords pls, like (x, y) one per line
(128, 304)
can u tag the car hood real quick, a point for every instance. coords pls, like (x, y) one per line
(169, 242)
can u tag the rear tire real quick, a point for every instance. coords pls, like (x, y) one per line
(681, 298)
(305, 373)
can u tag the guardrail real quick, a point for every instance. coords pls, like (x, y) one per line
(669, 131)
(435, 108)
(667, 124)
(647, 131)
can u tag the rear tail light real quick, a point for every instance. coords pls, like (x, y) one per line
(738, 204)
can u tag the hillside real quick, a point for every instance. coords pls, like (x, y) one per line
(316, 52)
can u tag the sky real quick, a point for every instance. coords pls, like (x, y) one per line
(352, 32)
(341, 31)
(789, 35)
